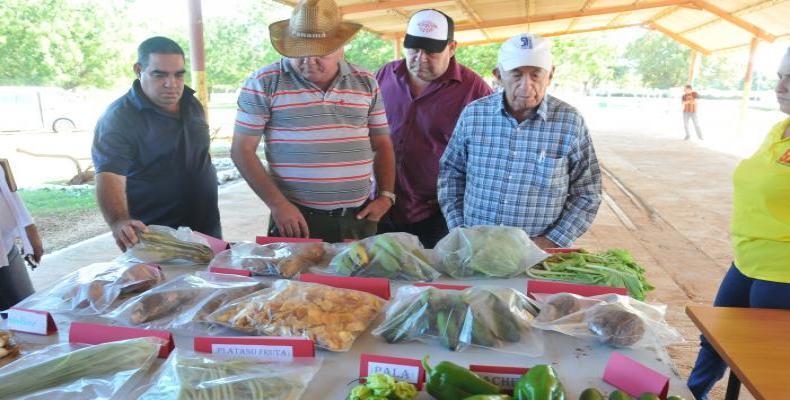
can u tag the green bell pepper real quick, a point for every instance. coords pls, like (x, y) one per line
(448, 381)
(539, 383)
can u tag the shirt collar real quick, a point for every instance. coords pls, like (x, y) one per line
(141, 101)
(542, 111)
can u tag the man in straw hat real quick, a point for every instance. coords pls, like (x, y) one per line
(424, 94)
(522, 157)
(324, 128)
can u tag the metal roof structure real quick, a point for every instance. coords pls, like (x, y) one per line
(704, 26)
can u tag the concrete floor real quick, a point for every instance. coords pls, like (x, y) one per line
(666, 201)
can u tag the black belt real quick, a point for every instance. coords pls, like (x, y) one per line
(337, 212)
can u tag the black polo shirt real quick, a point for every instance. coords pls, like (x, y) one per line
(169, 176)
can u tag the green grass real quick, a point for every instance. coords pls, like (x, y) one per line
(54, 201)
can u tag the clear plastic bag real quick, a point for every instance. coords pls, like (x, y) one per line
(68, 371)
(185, 302)
(188, 375)
(163, 244)
(274, 259)
(619, 321)
(487, 251)
(331, 317)
(94, 289)
(389, 255)
(485, 316)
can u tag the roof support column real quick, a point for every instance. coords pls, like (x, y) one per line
(747, 83)
(396, 45)
(694, 58)
(198, 53)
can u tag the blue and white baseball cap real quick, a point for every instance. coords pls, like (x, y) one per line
(525, 50)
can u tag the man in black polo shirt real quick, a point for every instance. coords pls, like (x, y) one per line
(151, 151)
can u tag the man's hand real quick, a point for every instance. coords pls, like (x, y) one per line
(375, 209)
(544, 243)
(35, 241)
(289, 220)
(125, 234)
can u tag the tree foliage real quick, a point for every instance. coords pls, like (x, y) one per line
(661, 62)
(62, 43)
(368, 50)
(480, 58)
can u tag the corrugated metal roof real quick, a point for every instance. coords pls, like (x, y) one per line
(706, 26)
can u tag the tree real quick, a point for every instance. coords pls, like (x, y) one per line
(62, 43)
(369, 51)
(720, 72)
(586, 60)
(661, 62)
(480, 58)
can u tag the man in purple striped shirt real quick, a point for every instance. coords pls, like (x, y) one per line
(424, 95)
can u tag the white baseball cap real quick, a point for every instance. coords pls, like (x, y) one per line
(525, 50)
(429, 30)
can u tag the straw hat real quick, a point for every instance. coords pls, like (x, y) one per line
(315, 29)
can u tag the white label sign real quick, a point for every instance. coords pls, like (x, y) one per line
(504, 381)
(406, 373)
(26, 321)
(260, 352)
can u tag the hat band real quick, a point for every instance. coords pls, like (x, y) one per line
(309, 35)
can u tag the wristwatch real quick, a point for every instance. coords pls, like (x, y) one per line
(388, 195)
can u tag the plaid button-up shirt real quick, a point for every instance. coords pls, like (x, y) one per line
(540, 175)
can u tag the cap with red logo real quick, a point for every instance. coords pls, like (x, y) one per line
(430, 30)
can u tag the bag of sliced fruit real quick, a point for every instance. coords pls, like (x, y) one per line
(486, 316)
(331, 317)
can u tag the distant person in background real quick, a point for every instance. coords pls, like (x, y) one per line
(15, 224)
(151, 151)
(690, 111)
(760, 231)
(424, 94)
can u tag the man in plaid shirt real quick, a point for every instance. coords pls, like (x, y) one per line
(521, 157)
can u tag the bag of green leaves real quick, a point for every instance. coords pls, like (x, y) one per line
(615, 268)
(618, 321)
(487, 251)
(485, 316)
(188, 375)
(69, 371)
(390, 255)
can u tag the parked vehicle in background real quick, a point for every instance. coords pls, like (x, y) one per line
(24, 108)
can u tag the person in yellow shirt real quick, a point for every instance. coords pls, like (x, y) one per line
(760, 231)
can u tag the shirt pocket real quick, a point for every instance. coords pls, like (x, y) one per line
(551, 173)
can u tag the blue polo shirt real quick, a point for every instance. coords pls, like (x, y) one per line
(169, 176)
